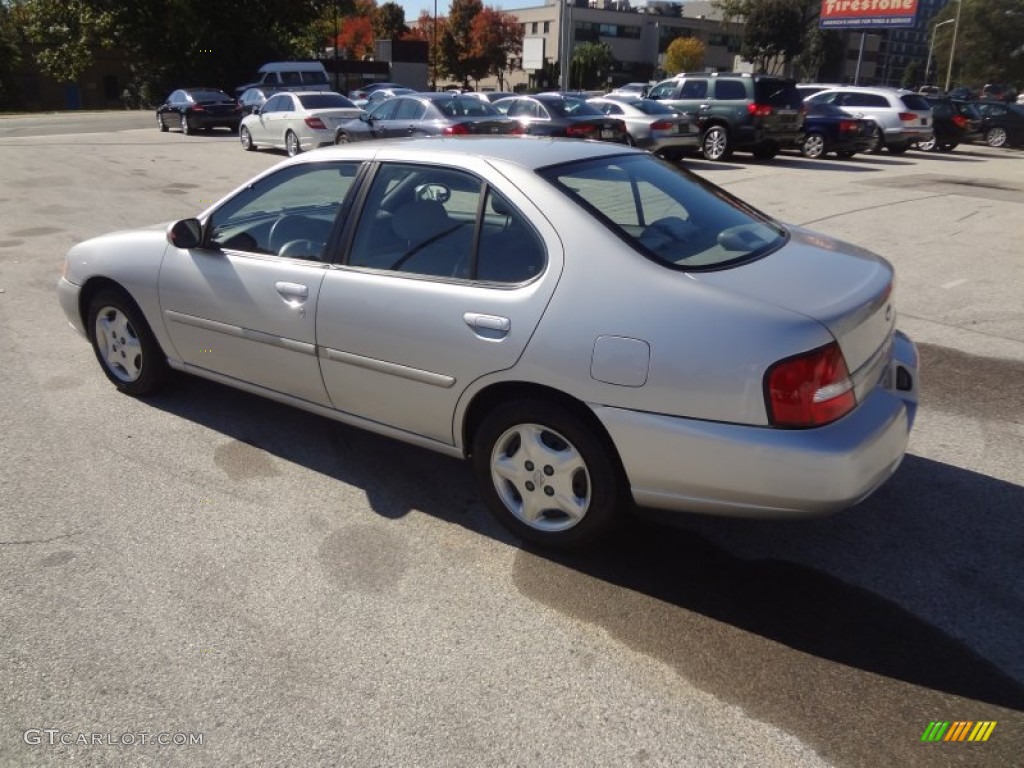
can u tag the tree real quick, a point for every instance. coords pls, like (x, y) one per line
(433, 33)
(69, 33)
(456, 54)
(497, 40)
(389, 21)
(10, 53)
(989, 43)
(591, 63)
(684, 54)
(774, 34)
(356, 36)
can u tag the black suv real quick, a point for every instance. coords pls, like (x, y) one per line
(737, 111)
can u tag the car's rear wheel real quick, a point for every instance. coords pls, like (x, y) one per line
(291, 144)
(124, 345)
(877, 140)
(716, 145)
(342, 138)
(547, 475)
(996, 136)
(928, 146)
(813, 145)
(186, 126)
(246, 138)
(161, 124)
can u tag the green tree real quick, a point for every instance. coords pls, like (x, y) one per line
(591, 63)
(684, 54)
(69, 33)
(497, 40)
(774, 34)
(389, 21)
(456, 44)
(989, 43)
(10, 55)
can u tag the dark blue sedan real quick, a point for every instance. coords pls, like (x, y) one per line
(827, 128)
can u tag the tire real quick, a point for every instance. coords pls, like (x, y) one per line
(186, 126)
(528, 451)
(813, 145)
(246, 138)
(124, 345)
(342, 138)
(897, 149)
(715, 144)
(877, 141)
(291, 144)
(948, 147)
(932, 145)
(766, 151)
(630, 141)
(996, 136)
(161, 124)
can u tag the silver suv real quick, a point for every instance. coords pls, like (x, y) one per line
(902, 117)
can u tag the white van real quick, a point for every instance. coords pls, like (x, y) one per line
(284, 75)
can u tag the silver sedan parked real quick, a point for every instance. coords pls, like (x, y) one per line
(652, 125)
(591, 327)
(296, 121)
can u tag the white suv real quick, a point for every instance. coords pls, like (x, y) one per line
(902, 117)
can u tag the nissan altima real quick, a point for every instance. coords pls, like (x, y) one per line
(592, 328)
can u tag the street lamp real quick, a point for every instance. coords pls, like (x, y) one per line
(952, 48)
(931, 48)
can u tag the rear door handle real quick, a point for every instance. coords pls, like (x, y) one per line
(293, 293)
(490, 326)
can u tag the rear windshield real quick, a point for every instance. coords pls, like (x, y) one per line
(571, 106)
(666, 213)
(916, 102)
(777, 93)
(325, 101)
(466, 106)
(649, 107)
(209, 96)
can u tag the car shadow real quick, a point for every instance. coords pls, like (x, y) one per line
(913, 555)
(949, 157)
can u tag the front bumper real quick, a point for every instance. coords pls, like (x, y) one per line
(748, 471)
(67, 295)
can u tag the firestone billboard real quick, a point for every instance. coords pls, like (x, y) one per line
(867, 14)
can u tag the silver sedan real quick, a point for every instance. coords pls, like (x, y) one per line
(652, 125)
(591, 327)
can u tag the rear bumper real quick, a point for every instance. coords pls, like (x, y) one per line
(746, 471)
(214, 121)
(669, 143)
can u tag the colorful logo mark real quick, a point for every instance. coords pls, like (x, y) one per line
(958, 730)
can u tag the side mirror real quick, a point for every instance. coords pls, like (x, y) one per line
(187, 233)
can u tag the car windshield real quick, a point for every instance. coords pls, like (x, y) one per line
(571, 106)
(666, 213)
(466, 106)
(325, 101)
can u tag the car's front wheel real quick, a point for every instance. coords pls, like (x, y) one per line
(246, 138)
(996, 136)
(547, 475)
(160, 123)
(716, 145)
(291, 144)
(813, 145)
(342, 138)
(124, 345)
(186, 126)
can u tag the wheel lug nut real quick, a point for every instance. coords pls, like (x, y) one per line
(549, 490)
(530, 486)
(549, 470)
(529, 466)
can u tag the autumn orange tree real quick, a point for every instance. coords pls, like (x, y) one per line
(427, 29)
(497, 40)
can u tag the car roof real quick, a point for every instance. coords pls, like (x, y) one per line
(882, 90)
(530, 152)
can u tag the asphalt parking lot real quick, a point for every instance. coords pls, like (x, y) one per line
(297, 592)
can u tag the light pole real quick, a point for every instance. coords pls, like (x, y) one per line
(931, 48)
(952, 48)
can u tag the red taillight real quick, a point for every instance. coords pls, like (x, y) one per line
(908, 117)
(662, 125)
(847, 126)
(759, 110)
(581, 131)
(519, 129)
(959, 121)
(315, 123)
(809, 390)
(455, 130)
(198, 108)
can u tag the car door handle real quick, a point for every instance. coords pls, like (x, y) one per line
(492, 325)
(293, 293)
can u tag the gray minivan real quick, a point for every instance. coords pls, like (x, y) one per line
(737, 110)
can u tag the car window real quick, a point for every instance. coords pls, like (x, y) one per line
(276, 104)
(825, 97)
(466, 106)
(694, 89)
(177, 97)
(315, 78)
(385, 110)
(663, 90)
(523, 108)
(291, 78)
(510, 251)
(781, 94)
(649, 107)
(409, 109)
(325, 101)
(669, 215)
(733, 90)
(289, 213)
(609, 109)
(913, 101)
(863, 100)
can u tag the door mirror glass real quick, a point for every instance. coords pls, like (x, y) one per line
(187, 233)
